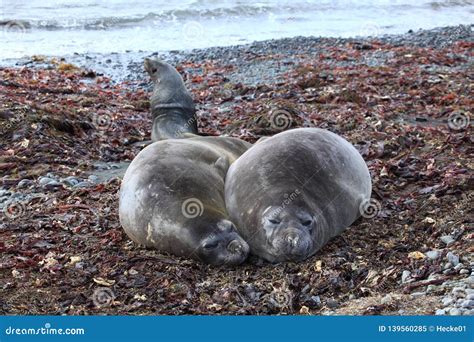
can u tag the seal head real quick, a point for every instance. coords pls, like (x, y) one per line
(172, 106)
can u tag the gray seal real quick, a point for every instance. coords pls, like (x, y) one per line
(172, 199)
(291, 193)
(172, 107)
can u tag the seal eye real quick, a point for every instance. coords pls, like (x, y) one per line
(210, 245)
(307, 223)
(153, 70)
(273, 221)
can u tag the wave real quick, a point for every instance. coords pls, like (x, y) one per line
(286, 9)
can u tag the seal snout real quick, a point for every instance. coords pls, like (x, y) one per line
(238, 251)
(296, 243)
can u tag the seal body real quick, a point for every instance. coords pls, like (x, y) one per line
(172, 106)
(289, 194)
(172, 199)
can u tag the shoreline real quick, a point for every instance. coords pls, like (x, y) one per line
(127, 66)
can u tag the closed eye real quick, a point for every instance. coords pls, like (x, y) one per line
(273, 221)
(210, 245)
(306, 222)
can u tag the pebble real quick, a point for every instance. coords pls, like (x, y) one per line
(467, 304)
(458, 266)
(405, 275)
(432, 255)
(440, 312)
(418, 294)
(447, 266)
(447, 301)
(447, 239)
(93, 179)
(454, 312)
(83, 185)
(316, 300)
(25, 183)
(45, 180)
(71, 181)
(452, 258)
(331, 303)
(458, 292)
(386, 299)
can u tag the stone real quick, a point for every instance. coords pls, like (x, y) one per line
(447, 301)
(418, 294)
(83, 185)
(447, 266)
(387, 299)
(440, 312)
(432, 255)
(458, 267)
(452, 258)
(458, 292)
(25, 183)
(405, 276)
(447, 239)
(45, 180)
(464, 271)
(93, 179)
(468, 304)
(71, 181)
(454, 312)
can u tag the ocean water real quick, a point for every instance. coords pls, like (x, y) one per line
(62, 27)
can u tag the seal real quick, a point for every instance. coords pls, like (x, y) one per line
(291, 193)
(172, 199)
(172, 106)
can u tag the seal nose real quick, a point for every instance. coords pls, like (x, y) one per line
(235, 247)
(292, 238)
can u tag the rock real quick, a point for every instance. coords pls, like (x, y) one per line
(447, 266)
(83, 185)
(70, 181)
(93, 179)
(315, 300)
(468, 304)
(440, 312)
(432, 255)
(458, 267)
(331, 303)
(447, 239)
(452, 258)
(405, 276)
(52, 185)
(470, 296)
(470, 280)
(447, 301)
(431, 288)
(454, 312)
(458, 292)
(464, 271)
(25, 183)
(45, 180)
(418, 294)
(387, 299)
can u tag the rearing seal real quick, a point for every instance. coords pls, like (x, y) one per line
(172, 199)
(291, 193)
(172, 106)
